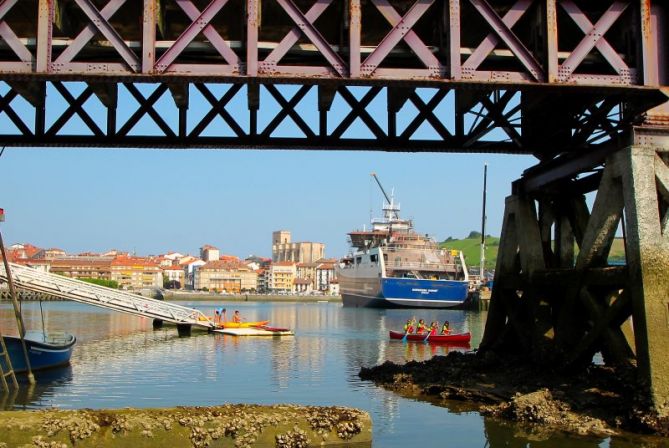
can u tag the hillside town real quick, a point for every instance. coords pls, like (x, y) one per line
(295, 268)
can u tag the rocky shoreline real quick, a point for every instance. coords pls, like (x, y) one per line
(599, 401)
(239, 426)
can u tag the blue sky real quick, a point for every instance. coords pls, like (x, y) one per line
(153, 201)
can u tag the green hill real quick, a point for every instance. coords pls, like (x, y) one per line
(471, 248)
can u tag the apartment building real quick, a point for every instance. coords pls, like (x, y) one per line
(136, 273)
(281, 276)
(96, 267)
(174, 277)
(232, 277)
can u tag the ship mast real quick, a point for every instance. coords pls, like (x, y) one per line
(483, 219)
(391, 205)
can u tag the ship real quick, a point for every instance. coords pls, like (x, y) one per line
(393, 266)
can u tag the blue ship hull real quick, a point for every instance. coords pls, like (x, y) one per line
(409, 293)
(43, 353)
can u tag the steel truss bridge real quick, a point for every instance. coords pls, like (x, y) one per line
(579, 84)
(541, 77)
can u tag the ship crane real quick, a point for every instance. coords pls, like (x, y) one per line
(391, 204)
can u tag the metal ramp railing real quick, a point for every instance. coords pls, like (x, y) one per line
(70, 289)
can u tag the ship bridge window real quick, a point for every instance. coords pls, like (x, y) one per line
(374, 258)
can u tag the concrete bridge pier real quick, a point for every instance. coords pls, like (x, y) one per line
(184, 329)
(559, 307)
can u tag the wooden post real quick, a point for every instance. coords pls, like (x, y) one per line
(17, 311)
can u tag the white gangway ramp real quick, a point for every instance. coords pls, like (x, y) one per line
(67, 288)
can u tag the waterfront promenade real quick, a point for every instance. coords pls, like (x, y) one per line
(197, 295)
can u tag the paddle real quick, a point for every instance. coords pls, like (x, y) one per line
(428, 336)
(404, 339)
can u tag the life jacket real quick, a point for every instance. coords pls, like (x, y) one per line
(445, 329)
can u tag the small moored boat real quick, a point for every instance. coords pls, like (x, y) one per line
(453, 338)
(45, 350)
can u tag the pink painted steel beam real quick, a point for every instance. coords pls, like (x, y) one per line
(509, 38)
(401, 28)
(102, 24)
(200, 24)
(314, 36)
(593, 37)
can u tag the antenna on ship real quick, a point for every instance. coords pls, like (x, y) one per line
(391, 205)
(483, 219)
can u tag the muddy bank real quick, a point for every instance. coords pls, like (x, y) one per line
(238, 426)
(599, 401)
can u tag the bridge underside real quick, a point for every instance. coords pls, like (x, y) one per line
(567, 81)
(541, 121)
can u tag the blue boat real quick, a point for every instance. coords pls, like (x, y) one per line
(394, 266)
(45, 350)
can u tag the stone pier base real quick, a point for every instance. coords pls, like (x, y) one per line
(216, 426)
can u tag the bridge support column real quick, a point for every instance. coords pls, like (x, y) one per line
(559, 310)
(184, 329)
(646, 192)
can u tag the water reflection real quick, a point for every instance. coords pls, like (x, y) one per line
(121, 361)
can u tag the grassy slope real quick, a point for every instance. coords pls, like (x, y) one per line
(471, 247)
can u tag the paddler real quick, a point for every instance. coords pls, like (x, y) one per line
(237, 318)
(408, 327)
(445, 329)
(421, 327)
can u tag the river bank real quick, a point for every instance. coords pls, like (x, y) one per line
(180, 296)
(283, 426)
(206, 296)
(600, 401)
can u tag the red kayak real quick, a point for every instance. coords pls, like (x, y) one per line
(437, 338)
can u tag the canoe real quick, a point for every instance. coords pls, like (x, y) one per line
(44, 350)
(453, 338)
(259, 323)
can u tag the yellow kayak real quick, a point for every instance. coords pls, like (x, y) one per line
(244, 324)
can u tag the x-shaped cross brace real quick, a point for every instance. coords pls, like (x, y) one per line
(75, 107)
(359, 110)
(306, 26)
(200, 23)
(218, 108)
(402, 30)
(502, 32)
(100, 20)
(146, 106)
(594, 37)
(288, 108)
(426, 114)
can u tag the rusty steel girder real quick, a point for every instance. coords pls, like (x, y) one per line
(540, 77)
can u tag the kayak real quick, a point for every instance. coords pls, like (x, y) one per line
(443, 338)
(259, 323)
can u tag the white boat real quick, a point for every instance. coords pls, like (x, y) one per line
(394, 266)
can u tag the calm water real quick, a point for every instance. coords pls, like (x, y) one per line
(120, 361)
